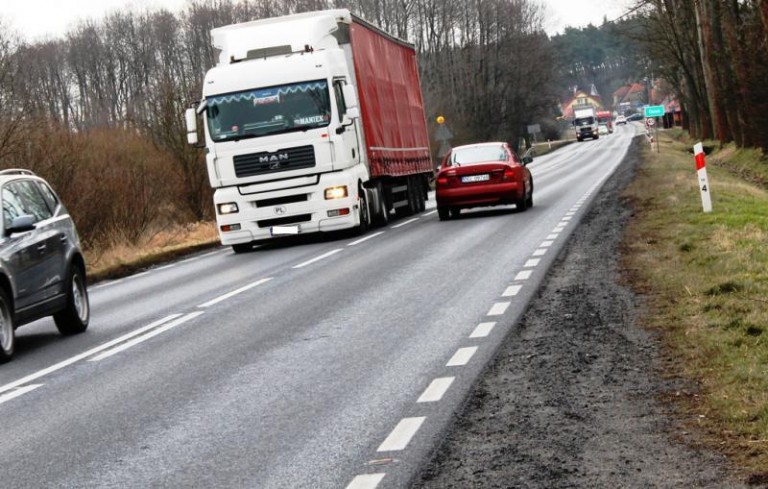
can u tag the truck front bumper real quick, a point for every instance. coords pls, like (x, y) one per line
(266, 215)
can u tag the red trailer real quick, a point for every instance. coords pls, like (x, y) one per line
(392, 109)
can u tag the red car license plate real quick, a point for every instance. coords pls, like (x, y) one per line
(475, 178)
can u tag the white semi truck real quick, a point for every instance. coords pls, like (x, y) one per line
(312, 122)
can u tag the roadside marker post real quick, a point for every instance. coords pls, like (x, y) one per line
(701, 170)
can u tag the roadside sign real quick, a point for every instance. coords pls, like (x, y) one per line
(650, 121)
(534, 129)
(654, 111)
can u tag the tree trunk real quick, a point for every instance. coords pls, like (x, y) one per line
(713, 89)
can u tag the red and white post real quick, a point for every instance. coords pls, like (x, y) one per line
(701, 170)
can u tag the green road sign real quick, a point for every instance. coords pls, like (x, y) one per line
(654, 111)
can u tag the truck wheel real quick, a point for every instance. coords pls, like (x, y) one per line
(74, 318)
(443, 213)
(7, 333)
(381, 217)
(421, 192)
(362, 212)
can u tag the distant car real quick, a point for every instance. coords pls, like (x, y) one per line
(620, 119)
(635, 117)
(603, 129)
(42, 270)
(484, 174)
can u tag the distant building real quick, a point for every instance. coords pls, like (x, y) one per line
(581, 97)
(630, 97)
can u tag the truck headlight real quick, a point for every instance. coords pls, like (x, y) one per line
(336, 192)
(228, 208)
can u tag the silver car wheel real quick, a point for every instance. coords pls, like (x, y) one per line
(6, 326)
(79, 297)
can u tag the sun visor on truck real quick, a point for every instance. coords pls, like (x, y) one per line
(268, 36)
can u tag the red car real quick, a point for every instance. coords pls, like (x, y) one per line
(482, 174)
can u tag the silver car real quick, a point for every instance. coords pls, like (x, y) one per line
(42, 270)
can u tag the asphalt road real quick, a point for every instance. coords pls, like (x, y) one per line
(335, 362)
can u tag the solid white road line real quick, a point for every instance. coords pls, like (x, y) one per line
(524, 275)
(87, 354)
(498, 309)
(404, 223)
(436, 389)
(461, 357)
(482, 330)
(512, 291)
(402, 434)
(234, 293)
(367, 481)
(18, 392)
(151, 334)
(164, 267)
(429, 213)
(317, 258)
(136, 275)
(363, 240)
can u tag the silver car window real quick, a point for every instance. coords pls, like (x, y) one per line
(32, 200)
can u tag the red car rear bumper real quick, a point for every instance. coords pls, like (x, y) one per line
(479, 195)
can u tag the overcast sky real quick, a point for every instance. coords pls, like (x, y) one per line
(38, 19)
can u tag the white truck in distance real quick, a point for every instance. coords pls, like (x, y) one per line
(585, 122)
(313, 122)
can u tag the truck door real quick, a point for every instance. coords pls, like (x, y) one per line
(349, 137)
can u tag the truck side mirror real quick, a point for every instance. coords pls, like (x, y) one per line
(350, 98)
(353, 113)
(190, 117)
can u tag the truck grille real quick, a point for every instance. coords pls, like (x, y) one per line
(281, 160)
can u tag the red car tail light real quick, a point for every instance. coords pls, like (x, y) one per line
(509, 173)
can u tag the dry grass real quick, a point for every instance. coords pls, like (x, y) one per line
(120, 258)
(706, 276)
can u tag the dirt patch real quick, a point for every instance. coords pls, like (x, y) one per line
(574, 397)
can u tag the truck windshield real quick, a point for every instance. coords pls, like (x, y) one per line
(586, 121)
(254, 113)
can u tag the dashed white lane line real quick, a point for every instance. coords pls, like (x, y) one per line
(402, 434)
(404, 223)
(18, 392)
(234, 293)
(546, 244)
(363, 240)
(498, 309)
(436, 389)
(366, 481)
(524, 275)
(566, 218)
(482, 330)
(461, 357)
(553, 236)
(77, 358)
(151, 334)
(318, 258)
(539, 252)
(512, 291)
(533, 262)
